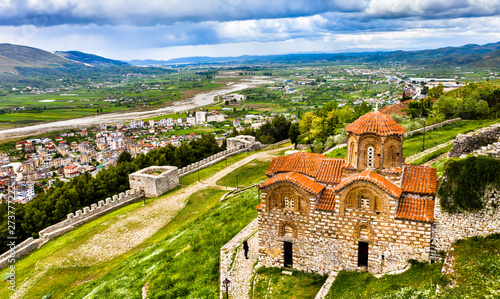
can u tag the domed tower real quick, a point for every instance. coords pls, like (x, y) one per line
(375, 141)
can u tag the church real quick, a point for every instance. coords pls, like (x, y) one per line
(370, 211)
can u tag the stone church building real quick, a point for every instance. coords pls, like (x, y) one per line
(368, 211)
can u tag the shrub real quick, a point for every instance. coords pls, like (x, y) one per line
(465, 181)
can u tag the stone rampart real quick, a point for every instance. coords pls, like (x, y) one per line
(18, 251)
(431, 127)
(227, 252)
(239, 141)
(465, 144)
(73, 220)
(155, 180)
(448, 228)
(213, 159)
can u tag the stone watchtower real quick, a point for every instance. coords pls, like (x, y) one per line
(375, 141)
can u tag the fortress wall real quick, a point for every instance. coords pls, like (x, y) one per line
(448, 228)
(74, 219)
(18, 251)
(432, 127)
(465, 144)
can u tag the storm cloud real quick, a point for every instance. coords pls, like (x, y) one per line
(158, 29)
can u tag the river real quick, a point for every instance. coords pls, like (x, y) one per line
(199, 100)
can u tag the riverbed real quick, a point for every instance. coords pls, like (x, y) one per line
(199, 100)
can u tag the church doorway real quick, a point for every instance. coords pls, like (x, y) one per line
(362, 254)
(288, 254)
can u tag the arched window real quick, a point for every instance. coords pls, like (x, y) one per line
(289, 203)
(370, 153)
(351, 153)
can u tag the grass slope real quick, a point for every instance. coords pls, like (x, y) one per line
(476, 275)
(252, 173)
(413, 144)
(181, 264)
(271, 283)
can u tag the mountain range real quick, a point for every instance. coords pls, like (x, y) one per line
(15, 57)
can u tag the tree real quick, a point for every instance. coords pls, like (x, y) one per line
(124, 157)
(436, 92)
(294, 134)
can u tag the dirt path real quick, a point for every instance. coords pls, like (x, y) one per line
(130, 231)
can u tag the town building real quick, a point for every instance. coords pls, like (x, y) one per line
(369, 211)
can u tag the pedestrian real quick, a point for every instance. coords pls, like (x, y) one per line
(245, 247)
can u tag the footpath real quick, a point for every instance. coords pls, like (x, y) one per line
(129, 230)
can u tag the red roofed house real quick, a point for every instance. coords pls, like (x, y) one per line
(368, 211)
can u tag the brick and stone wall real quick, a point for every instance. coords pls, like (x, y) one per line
(155, 180)
(325, 241)
(448, 228)
(465, 144)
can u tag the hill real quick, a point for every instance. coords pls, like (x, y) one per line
(470, 55)
(13, 56)
(90, 59)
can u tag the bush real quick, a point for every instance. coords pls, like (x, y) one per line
(465, 181)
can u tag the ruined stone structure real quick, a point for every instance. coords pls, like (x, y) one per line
(368, 211)
(242, 141)
(155, 180)
(465, 144)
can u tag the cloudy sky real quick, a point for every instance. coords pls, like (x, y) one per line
(164, 29)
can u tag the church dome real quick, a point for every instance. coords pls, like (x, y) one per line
(376, 123)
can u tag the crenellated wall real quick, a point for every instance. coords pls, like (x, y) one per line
(73, 220)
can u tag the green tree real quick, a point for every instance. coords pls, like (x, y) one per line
(294, 134)
(436, 92)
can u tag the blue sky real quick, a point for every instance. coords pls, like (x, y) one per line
(164, 29)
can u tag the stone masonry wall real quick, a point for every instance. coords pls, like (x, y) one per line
(448, 228)
(153, 185)
(325, 241)
(465, 144)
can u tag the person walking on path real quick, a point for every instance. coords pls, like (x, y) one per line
(245, 247)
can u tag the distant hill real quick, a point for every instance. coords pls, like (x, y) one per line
(470, 55)
(90, 59)
(12, 56)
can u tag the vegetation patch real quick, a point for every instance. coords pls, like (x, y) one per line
(182, 264)
(247, 175)
(432, 155)
(417, 282)
(413, 144)
(465, 181)
(476, 272)
(271, 283)
(338, 153)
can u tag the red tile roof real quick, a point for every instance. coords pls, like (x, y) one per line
(419, 179)
(308, 164)
(377, 123)
(330, 171)
(375, 178)
(327, 201)
(298, 179)
(419, 209)
(259, 206)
